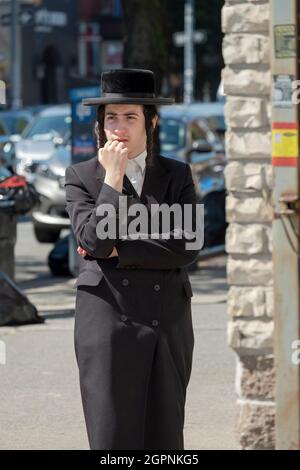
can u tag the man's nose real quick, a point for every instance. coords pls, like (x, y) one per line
(120, 130)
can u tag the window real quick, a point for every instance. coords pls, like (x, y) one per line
(112, 55)
(89, 60)
(19, 125)
(47, 127)
(171, 134)
(197, 132)
(110, 8)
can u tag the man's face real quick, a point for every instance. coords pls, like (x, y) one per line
(126, 122)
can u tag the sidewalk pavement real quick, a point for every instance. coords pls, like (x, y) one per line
(40, 400)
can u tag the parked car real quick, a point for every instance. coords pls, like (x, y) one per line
(38, 142)
(182, 126)
(12, 124)
(208, 172)
(50, 217)
(195, 134)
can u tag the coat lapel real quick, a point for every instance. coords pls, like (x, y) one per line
(155, 183)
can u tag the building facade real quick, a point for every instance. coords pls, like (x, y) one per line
(62, 45)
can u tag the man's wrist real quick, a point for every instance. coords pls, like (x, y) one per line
(116, 182)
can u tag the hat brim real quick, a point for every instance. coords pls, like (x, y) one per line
(124, 100)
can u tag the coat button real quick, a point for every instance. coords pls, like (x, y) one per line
(154, 322)
(125, 282)
(124, 318)
(157, 287)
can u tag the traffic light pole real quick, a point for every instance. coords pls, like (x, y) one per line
(189, 52)
(15, 68)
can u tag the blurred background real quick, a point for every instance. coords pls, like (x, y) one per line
(52, 54)
(66, 44)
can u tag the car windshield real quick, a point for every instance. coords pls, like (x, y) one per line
(171, 134)
(15, 124)
(3, 130)
(47, 127)
(217, 124)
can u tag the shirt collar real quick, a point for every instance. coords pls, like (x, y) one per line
(141, 159)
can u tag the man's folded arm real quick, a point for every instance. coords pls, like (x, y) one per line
(162, 253)
(82, 212)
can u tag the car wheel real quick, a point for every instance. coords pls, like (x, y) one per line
(44, 235)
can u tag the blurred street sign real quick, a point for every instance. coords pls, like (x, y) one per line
(39, 17)
(83, 117)
(199, 37)
(26, 18)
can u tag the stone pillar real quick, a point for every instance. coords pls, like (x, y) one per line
(7, 244)
(246, 76)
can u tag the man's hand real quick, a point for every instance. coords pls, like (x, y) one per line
(83, 253)
(114, 157)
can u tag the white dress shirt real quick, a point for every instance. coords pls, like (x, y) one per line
(135, 171)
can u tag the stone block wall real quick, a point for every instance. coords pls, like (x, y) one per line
(249, 181)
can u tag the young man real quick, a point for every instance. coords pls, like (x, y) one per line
(133, 328)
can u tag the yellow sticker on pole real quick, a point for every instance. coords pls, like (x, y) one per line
(285, 143)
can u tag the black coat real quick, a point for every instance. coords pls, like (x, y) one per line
(133, 328)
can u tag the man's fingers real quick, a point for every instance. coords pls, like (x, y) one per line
(110, 144)
(81, 251)
(112, 139)
(124, 151)
(120, 145)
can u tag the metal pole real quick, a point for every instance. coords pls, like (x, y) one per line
(286, 247)
(188, 51)
(15, 70)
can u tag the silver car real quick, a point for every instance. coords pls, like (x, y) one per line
(12, 124)
(40, 139)
(182, 127)
(50, 217)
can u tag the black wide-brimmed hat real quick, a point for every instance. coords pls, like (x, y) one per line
(130, 86)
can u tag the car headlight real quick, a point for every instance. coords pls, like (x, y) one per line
(7, 147)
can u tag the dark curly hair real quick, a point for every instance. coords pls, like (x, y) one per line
(152, 145)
